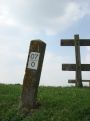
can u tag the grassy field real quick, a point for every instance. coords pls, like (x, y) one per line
(58, 104)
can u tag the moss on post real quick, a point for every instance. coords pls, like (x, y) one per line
(32, 75)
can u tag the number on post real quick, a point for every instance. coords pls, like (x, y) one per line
(33, 60)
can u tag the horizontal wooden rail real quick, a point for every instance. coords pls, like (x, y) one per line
(72, 67)
(71, 42)
(74, 81)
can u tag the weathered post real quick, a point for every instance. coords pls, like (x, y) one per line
(32, 75)
(78, 61)
(78, 67)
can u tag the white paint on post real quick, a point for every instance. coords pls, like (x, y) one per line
(33, 60)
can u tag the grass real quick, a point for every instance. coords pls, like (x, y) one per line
(58, 104)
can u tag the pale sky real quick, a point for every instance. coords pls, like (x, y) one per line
(48, 20)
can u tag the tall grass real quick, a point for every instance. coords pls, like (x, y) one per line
(57, 104)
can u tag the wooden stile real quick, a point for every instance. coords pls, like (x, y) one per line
(78, 67)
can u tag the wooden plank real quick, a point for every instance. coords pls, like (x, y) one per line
(85, 67)
(74, 81)
(71, 81)
(70, 42)
(85, 80)
(72, 67)
(67, 42)
(69, 67)
(78, 62)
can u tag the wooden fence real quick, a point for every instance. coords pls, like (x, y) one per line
(78, 67)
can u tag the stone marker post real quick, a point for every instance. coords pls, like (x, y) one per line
(32, 75)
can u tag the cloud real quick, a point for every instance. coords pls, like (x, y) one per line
(5, 19)
(86, 60)
(13, 64)
(87, 56)
(50, 17)
(13, 54)
(19, 19)
(52, 74)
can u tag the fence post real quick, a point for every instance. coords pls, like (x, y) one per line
(78, 61)
(78, 67)
(32, 75)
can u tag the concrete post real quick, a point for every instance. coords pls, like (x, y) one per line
(32, 75)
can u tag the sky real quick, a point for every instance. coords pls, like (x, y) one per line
(49, 20)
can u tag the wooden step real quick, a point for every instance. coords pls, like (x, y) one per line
(72, 67)
(74, 81)
(70, 42)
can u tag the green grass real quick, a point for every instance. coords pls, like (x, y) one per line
(58, 104)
